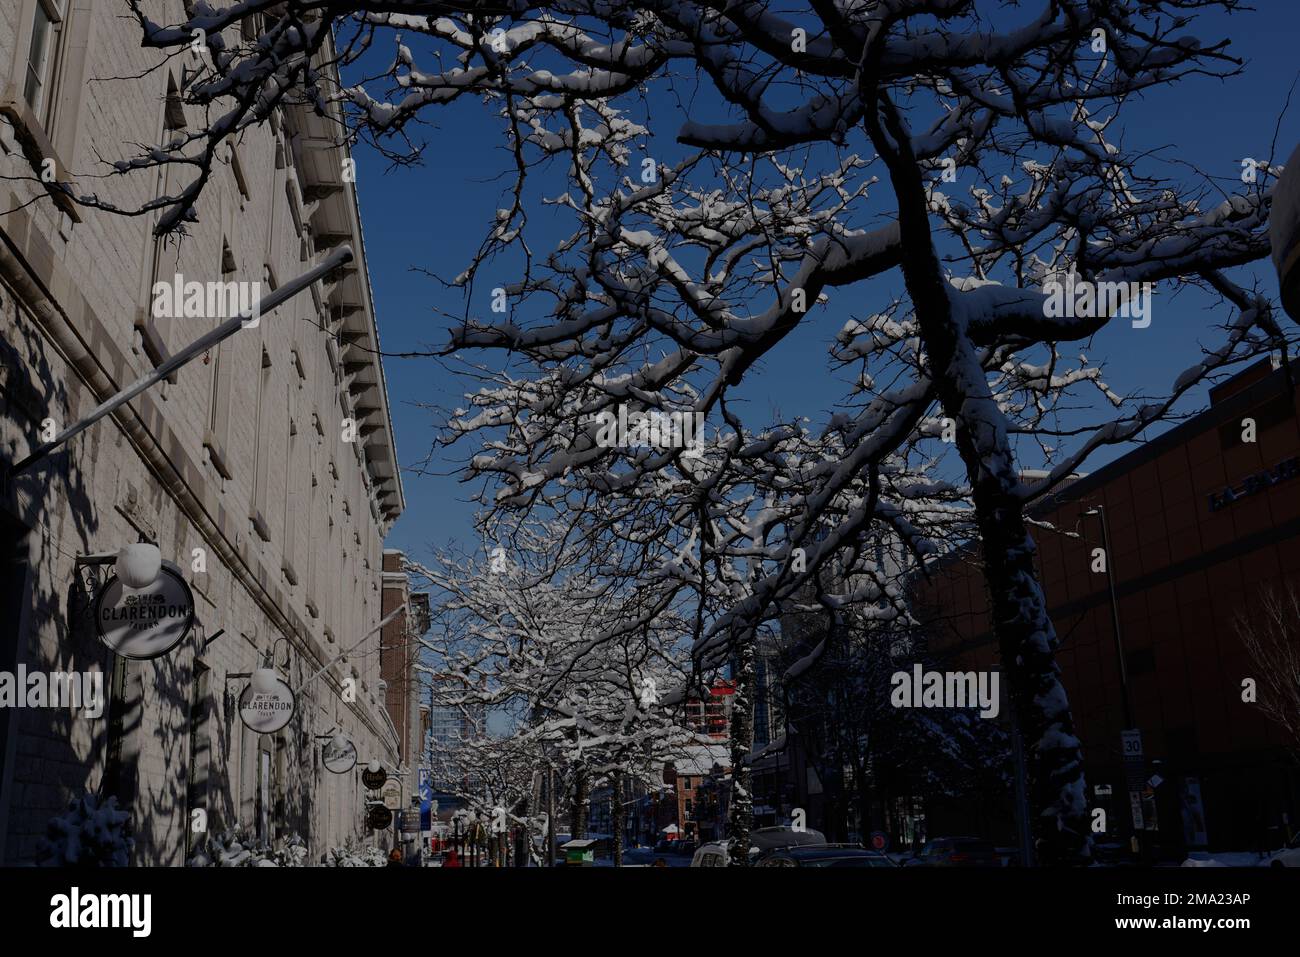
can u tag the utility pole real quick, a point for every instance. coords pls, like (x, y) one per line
(1100, 511)
(1135, 766)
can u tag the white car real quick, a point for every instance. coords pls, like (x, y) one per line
(1288, 856)
(713, 854)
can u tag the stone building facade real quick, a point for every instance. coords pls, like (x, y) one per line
(265, 469)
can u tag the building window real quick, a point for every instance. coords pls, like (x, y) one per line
(218, 441)
(43, 58)
(156, 330)
(266, 437)
(293, 503)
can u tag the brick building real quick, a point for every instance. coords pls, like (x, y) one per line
(265, 469)
(1201, 522)
(400, 654)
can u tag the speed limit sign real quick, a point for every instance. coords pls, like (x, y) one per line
(1131, 741)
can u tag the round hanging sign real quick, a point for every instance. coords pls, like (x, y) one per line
(267, 713)
(391, 794)
(374, 780)
(379, 817)
(144, 623)
(339, 760)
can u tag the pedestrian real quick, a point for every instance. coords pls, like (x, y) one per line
(453, 859)
(395, 857)
(659, 862)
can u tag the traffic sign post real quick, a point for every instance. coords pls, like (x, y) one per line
(1135, 778)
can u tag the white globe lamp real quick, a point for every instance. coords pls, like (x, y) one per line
(138, 565)
(265, 680)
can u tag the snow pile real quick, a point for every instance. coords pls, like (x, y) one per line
(355, 857)
(234, 849)
(1223, 859)
(88, 835)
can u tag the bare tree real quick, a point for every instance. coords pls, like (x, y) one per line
(1270, 631)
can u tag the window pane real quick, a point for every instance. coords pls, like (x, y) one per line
(36, 57)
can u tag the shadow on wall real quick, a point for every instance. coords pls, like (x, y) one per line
(56, 753)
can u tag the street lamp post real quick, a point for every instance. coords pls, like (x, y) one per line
(1100, 512)
(1134, 765)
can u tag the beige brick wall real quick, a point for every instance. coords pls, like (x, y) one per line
(71, 292)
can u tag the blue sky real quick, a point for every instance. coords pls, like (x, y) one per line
(432, 218)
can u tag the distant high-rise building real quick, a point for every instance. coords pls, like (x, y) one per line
(450, 726)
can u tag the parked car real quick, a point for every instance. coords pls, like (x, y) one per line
(763, 839)
(767, 838)
(1288, 856)
(712, 854)
(826, 855)
(957, 852)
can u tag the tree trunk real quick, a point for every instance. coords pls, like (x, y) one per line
(1026, 638)
(550, 817)
(740, 815)
(1028, 642)
(522, 838)
(581, 794)
(616, 815)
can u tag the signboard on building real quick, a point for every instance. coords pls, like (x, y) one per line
(391, 794)
(339, 760)
(379, 817)
(374, 780)
(410, 822)
(268, 712)
(1284, 471)
(145, 623)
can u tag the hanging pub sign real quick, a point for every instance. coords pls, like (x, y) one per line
(144, 623)
(339, 760)
(391, 794)
(379, 817)
(374, 780)
(266, 712)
